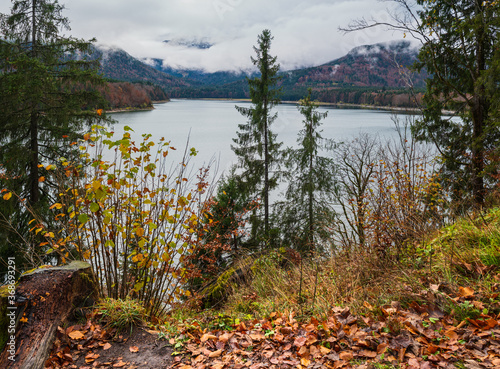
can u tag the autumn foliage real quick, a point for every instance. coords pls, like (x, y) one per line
(130, 216)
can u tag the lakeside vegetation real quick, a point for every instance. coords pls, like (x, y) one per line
(387, 229)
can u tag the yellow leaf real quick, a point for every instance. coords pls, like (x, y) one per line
(7, 196)
(23, 320)
(96, 185)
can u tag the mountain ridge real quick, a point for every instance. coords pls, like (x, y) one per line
(373, 69)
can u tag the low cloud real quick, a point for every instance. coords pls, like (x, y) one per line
(305, 33)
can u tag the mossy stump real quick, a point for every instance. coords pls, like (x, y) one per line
(44, 299)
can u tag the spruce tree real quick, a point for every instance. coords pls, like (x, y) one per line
(48, 97)
(47, 93)
(307, 212)
(459, 52)
(257, 147)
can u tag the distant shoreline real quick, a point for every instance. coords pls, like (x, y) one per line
(131, 110)
(393, 109)
(338, 105)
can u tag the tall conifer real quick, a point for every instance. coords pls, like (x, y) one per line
(256, 145)
(47, 98)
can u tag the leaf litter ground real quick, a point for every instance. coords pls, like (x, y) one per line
(419, 337)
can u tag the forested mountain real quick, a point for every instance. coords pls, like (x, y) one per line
(117, 64)
(370, 74)
(379, 65)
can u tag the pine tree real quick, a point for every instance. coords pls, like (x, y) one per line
(47, 97)
(257, 147)
(307, 212)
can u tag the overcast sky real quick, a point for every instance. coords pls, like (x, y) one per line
(305, 32)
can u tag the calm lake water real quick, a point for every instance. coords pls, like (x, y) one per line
(211, 126)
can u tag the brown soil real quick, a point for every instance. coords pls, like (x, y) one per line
(92, 346)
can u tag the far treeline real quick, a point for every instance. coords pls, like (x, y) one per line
(153, 233)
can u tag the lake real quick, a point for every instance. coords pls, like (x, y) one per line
(211, 125)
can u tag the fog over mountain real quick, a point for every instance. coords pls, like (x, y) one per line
(218, 35)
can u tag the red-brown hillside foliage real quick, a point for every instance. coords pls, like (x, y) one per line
(132, 95)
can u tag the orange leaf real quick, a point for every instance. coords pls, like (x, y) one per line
(7, 196)
(346, 355)
(106, 346)
(368, 353)
(133, 349)
(99, 111)
(305, 362)
(140, 232)
(382, 348)
(207, 336)
(215, 354)
(41, 179)
(451, 334)
(466, 291)
(324, 350)
(300, 341)
(76, 335)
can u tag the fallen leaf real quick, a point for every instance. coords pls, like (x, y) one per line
(119, 364)
(133, 349)
(300, 341)
(225, 337)
(91, 358)
(207, 336)
(382, 348)
(76, 335)
(346, 355)
(324, 350)
(106, 346)
(305, 362)
(466, 291)
(368, 353)
(414, 364)
(215, 354)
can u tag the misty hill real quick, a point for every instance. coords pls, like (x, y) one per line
(117, 64)
(379, 65)
(357, 77)
(204, 78)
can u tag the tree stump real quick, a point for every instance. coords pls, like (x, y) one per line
(44, 298)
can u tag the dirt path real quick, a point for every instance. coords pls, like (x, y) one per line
(92, 346)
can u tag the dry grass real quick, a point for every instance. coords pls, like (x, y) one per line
(466, 253)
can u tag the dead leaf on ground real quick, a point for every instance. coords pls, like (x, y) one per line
(76, 335)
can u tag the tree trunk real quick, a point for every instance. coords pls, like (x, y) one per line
(44, 299)
(479, 111)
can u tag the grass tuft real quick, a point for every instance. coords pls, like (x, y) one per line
(121, 314)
